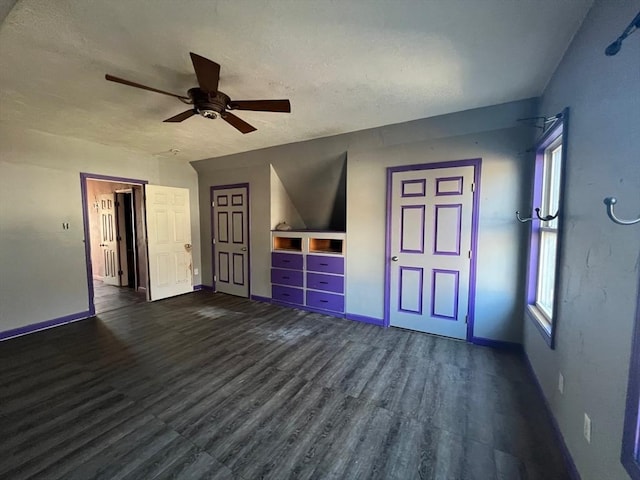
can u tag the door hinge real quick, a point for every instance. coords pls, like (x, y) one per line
(120, 272)
(466, 319)
(213, 204)
(470, 254)
(473, 187)
(117, 204)
(213, 241)
(215, 278)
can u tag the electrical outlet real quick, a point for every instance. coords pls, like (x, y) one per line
(561, 383)
(587, 428)
(196, 271)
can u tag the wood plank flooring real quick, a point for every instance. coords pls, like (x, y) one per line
(212, 386)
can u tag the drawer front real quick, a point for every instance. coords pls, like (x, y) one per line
(286, 260)
(317, 263)
(287, 294)
(286, 277)
(329, 283)
(325, 301)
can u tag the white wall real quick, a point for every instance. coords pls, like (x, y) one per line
(491, 133)
(43, 267)
(599, 263)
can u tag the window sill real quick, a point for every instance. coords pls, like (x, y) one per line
(541, 323)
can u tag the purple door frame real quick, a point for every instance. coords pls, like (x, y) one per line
(87, 233)
(213, 246)
(477, 164)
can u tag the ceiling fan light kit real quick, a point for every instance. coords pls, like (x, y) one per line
(208, 101)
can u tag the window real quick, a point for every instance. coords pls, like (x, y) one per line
(631, 437)
(545, 229)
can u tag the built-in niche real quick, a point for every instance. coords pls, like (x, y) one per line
(310, 194)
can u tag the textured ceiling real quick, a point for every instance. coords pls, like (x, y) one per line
(345, 65)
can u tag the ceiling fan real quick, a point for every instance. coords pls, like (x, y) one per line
(210, 102)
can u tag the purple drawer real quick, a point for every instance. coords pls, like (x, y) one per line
(325, 301)
(317, 263)
(287, 294)
(286, 277)
(286, 260)
(329, 283)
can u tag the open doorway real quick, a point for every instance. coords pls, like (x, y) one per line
(117, 266)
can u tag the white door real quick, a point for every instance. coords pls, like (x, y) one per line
(430, 250)
(231, 240)
(109, 239)
(169, 241)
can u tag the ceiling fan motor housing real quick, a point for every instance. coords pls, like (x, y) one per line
(209, 105)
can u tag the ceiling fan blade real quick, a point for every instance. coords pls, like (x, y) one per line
(181, 116)
(261, 105)
(237, 122)
(111, 78)
(207, 71)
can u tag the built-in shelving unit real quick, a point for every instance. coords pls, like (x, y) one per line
(308, 270)
(293, 244)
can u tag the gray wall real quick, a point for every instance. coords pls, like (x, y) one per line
(599, 263)
(43, 267)
(491, 133)
(500, 237)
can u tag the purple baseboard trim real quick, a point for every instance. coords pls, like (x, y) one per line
(568, 459)
(361, 318)
(499, 344)
(197, 287)
(17, 332)
(258, 298)
(206, 288)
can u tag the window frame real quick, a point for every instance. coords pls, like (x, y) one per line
(630, 457)
(555, 135)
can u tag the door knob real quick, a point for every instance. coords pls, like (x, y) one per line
(244, 249)
(187, 245)
(394, 258)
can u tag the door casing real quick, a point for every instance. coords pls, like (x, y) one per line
(87, 234)
(477, 164)
(213, 246)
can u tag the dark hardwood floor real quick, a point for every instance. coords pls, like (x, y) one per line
(108, 297)
(213, 386)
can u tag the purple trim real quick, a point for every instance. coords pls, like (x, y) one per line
(213, 246)
(258, 298)
(415, 269)
(559, 128)
(498, 344)
(449, 179)
(233, 263)
(17, 332)
(402, 210)
(207, 288)
(197, 288)
(309, 230)
(233, 228)
(234, 198)
(226, 222)
(456, 298)
(220, 254)
(219, 199)
(568, 460)
(631, 432)
(423, 183)
(477, 164)
(455, 252)
(84, 176)
(361, 318)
